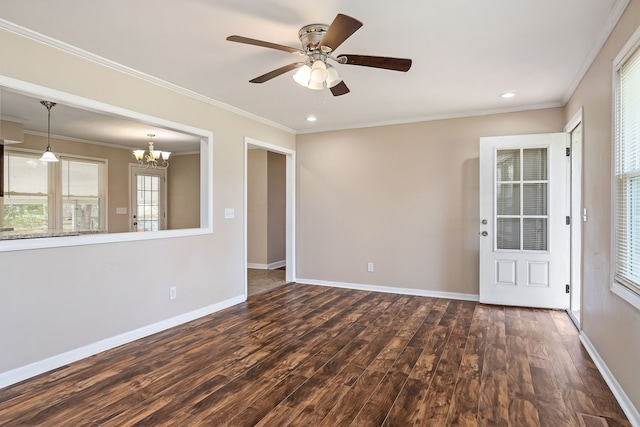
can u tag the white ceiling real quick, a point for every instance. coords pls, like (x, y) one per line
(465, 52)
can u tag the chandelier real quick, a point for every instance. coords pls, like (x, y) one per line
(316, 73)
(48, 155)
(152, 160)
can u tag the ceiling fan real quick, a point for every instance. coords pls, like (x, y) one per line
(319, 41)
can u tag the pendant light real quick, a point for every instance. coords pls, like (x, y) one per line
(48, 155)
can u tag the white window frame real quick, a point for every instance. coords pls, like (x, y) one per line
(54, 184)
(206, 171)
(631, 295)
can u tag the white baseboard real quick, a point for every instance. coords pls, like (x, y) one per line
(625, 403)
(271, 266)
(390, 290)
(54, 362)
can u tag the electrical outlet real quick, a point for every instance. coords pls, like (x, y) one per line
(370, 267)
(173, 292)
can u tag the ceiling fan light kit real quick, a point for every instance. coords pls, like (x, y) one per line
(318, 43)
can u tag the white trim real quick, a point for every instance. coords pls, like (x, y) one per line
(277, 264)
(575, 204)
(625, 53)
(391, 290)
(290, 238)
(623, 400)
(574, 121)
(271, 266)
(206, 171)
(626, 294)
(257, 266)
(614, 16)
(31, 370)
(81, 53)
(420, 119)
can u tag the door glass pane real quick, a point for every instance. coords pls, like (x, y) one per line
(508, 199)
(508, 165)
(148, 210)
(508, 233)
(535, 199)
(534, 232)
(534, 164)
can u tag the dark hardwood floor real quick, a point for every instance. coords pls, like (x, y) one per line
(318, 356)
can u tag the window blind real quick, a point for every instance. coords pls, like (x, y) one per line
(627, 174)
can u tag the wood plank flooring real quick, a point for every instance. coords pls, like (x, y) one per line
(317, 356)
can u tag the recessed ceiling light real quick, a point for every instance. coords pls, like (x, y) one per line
(508, 95)
(311, 118)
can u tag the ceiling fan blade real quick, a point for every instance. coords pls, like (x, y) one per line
(339, 89)
(396, 64)
(247, 40)
(340, 29)
(275, 73)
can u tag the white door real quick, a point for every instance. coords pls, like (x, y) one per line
(148, 199)
(524, 236)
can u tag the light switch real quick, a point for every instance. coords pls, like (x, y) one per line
(121, 211)
(229, 213)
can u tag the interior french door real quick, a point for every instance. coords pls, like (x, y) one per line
(524, 235)
(148, 199)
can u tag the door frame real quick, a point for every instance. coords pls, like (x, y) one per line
(162, 172)
(578, 215)
(290, 226)
(548, 270)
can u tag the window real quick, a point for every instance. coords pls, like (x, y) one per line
(627, 173)
(67, 195)
(521, 199)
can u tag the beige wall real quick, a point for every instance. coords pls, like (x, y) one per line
(404, 197)
(60, 299)
(266, 207)
(257, 202)
(276, 207)
(183, 191)
(610, 323)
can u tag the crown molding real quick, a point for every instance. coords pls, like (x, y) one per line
(81, 53)
(612, 20)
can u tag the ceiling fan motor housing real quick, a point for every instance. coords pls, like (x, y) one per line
(311, 35)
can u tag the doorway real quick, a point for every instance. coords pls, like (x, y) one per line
(574, 129)
(148, 203)
(524, 239)
(269, 216)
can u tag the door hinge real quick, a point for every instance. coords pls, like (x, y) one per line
(567, 220)
(566, 289)
(568, 151)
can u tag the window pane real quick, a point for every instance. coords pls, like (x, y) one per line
(508, 165)
(627, 170)
(508, 199)
(81, 214)
(534, 164)
(80, 178)
(534, 234)
(25, 174)
(26, 212)
(535, 199)
(508, 233)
